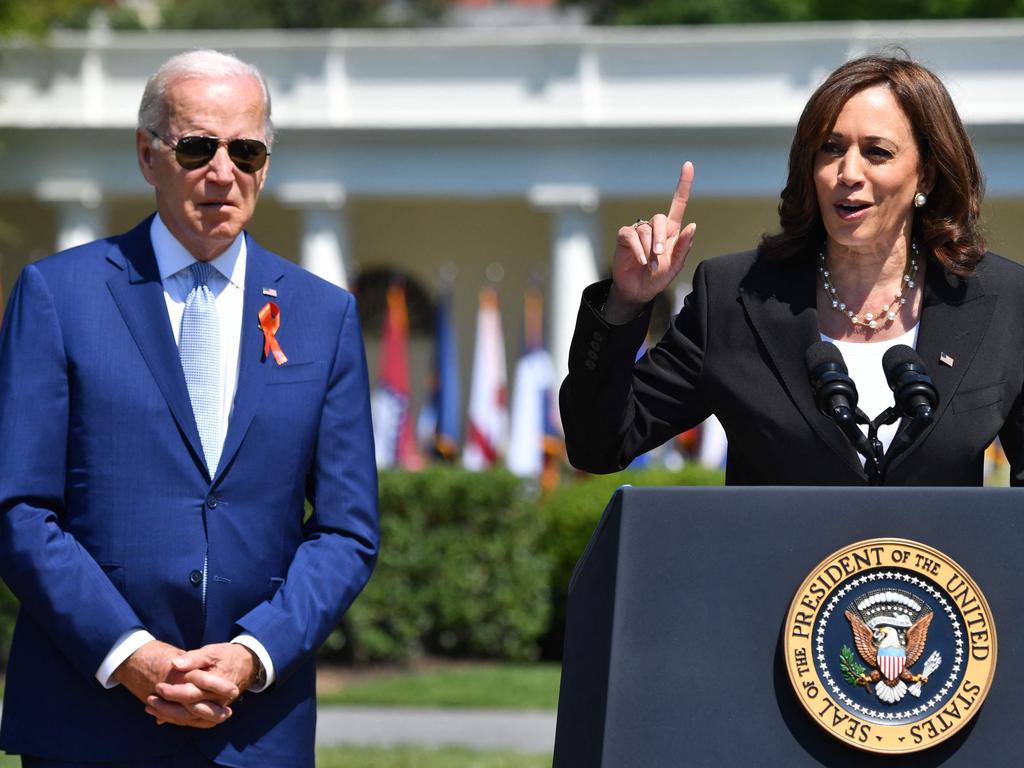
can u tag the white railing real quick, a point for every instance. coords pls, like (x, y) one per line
(731, 76)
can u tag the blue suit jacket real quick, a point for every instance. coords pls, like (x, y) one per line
(107, 506)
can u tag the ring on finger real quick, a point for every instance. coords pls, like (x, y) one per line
(640, 223)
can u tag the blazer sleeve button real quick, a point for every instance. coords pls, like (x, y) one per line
(195, 578)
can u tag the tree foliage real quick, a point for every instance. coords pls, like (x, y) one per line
(295, 14)
(36, 17)
(654, 12)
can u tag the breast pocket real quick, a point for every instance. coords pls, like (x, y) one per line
(979, 397)
(294, 373)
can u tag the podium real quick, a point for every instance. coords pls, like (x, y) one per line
(674, 635)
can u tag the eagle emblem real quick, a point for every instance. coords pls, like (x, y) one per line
(890, 631)
(880, 652)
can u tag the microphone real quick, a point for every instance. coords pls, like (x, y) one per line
(915, 395)
(912, 387)
(835, 395)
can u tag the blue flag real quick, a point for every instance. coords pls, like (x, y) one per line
(439, 421)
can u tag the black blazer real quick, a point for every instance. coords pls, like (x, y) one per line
(737, 350)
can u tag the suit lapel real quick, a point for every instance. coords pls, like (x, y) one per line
(779, 299)
(260, 272)
(955, 314)
(139, 295)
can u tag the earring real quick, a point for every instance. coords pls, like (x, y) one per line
(920, 199)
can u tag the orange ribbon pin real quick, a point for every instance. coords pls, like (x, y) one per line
(270, 321)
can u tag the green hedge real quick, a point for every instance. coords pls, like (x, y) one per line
(8, 611)
(462, 571)
(471, 564)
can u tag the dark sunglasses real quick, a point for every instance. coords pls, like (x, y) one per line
(191, 152)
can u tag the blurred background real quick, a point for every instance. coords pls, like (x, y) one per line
(462, 166)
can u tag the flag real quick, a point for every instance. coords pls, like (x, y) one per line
(438, 425)
(536, 445)
(487, 427)
(392, 425)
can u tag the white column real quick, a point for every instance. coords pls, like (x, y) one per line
(325, 242)
(573, 260)
(95, 105)
(80, 215)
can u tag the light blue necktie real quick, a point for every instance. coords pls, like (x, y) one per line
(199, 345)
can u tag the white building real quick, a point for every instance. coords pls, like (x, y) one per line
(427, 150)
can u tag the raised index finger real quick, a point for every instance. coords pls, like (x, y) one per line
(680, 197)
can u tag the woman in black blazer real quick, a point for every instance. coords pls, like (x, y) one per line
(879, 243)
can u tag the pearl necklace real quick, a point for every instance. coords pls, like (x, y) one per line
(870, 320)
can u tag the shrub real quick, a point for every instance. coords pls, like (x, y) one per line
(8, 612)
(461, 570)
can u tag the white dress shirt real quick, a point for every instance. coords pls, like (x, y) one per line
(227, 283)
(864, 363)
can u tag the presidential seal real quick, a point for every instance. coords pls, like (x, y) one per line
(890, 646)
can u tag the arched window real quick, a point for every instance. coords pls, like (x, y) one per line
(371, 290)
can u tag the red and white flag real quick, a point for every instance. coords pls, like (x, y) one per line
(487, 427)
(392, 423)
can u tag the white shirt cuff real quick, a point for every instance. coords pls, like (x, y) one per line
(125, 646)
(254, 645)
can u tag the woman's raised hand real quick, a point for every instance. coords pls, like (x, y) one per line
(649, 254)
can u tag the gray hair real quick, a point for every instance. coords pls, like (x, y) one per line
(153, 112)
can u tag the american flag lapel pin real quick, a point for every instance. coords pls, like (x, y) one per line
(945, 359)
(270, 292)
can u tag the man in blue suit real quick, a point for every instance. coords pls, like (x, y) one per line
(169, 399)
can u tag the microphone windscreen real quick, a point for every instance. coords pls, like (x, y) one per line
(897, 358)
(824, 352)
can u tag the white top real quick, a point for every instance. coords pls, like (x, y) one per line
(864, 363)
(227, 283)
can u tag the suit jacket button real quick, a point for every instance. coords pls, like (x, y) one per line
(195, 578)
(211, 501)
(591, 365)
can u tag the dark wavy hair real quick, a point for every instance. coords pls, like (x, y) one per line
(948, 225)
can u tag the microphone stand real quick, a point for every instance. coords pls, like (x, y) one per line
(869, 447)
(903, 439)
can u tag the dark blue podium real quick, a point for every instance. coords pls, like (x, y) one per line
(673, 650)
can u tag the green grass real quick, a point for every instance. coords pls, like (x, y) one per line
(513, 686)
(412, 757)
